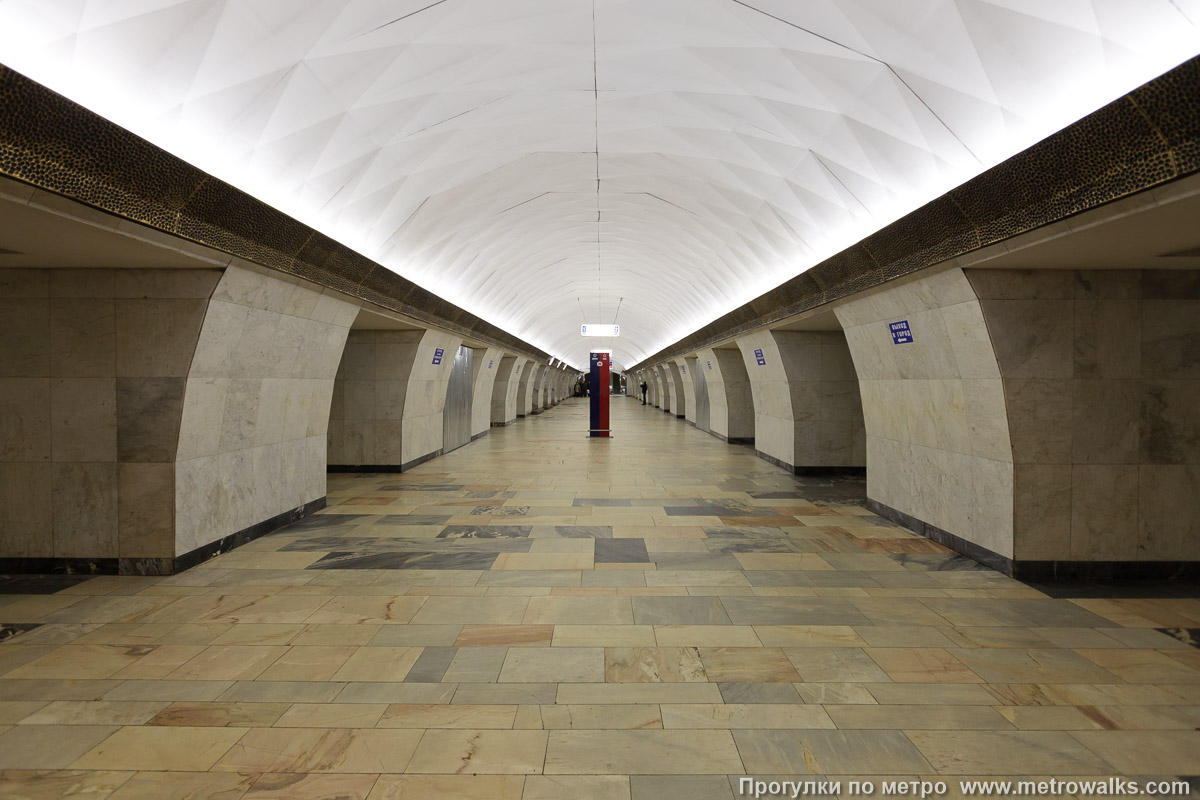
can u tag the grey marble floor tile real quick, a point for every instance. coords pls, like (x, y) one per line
(679, 611)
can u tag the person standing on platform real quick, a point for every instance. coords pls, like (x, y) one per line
(644, 387)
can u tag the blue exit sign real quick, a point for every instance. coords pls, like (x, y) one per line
(760, 358)
(437, 355)
(901, 333)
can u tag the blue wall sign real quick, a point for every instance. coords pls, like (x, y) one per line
(683, 369)
(437, 355)
(709, 365)
(901, 334)
(490, 362)
(758, 355)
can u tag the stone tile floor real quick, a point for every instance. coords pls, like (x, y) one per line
(537, 615)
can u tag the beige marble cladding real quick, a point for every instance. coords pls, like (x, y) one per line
(938, 442)
(807, 411)
(1100, 380)
(662, 393)
(486, 365)
(730, 400)
(679, 401)
(93, 364)
(389, 397)
(526, 373)
(256, 406)
(504, 389)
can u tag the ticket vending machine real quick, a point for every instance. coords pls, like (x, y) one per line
(601, 363)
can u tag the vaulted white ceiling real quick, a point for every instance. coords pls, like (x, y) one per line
(544, 163)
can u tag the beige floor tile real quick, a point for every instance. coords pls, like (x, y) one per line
(653, 665)
(458, 787)
(355, 610)
(161, 662)
(577, 787)
(696, 577)
(902, 636)
(808, 636)
(228, 663)
(600, 717)
(219, 715)
(784, 561)
(1142, 666)
(293, 786)
(336, 633)
(264, 633)
(1048, 718)
(13, 711)
(835, 665)
(944, 717)
(505, 635)
(579, 611)
(743, 715)
(456, 752)
(161, 748)
(546, 561)
(1145, 752)
(784, 752)
(921, 665)
(747, 665)
(706, 636)
(182, 785)
(835, 693)
(470, 611)
(331, 715)
(378, 664)
(344, 750)
(1007, 753)
(642, 753)
(308, 663)
(293, 608)
(476, 717)
(100, 712)
(603, 635)
(553, 665)
(620, 693)
(77, 661)
(50, 746)
(54, 784)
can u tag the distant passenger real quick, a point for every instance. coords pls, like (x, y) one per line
(644, 387)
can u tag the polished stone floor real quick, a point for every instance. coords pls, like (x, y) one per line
(537, 615)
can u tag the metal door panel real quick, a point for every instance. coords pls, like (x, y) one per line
(456, 416)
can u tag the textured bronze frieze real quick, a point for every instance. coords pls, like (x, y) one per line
(57, 145)
(1147, 138)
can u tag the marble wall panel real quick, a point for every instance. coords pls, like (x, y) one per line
(808, 388)
(1100, 376)
(504, 390)
(675, 387)
(938, 444)
(718, 406)
(252, 438)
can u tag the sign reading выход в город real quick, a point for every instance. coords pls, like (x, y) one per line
(901, 333)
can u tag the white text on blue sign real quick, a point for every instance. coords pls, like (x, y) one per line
(901, 334)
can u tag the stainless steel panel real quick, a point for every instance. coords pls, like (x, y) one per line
(456, 416)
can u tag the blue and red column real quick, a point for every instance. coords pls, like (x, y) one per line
(601, 363)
